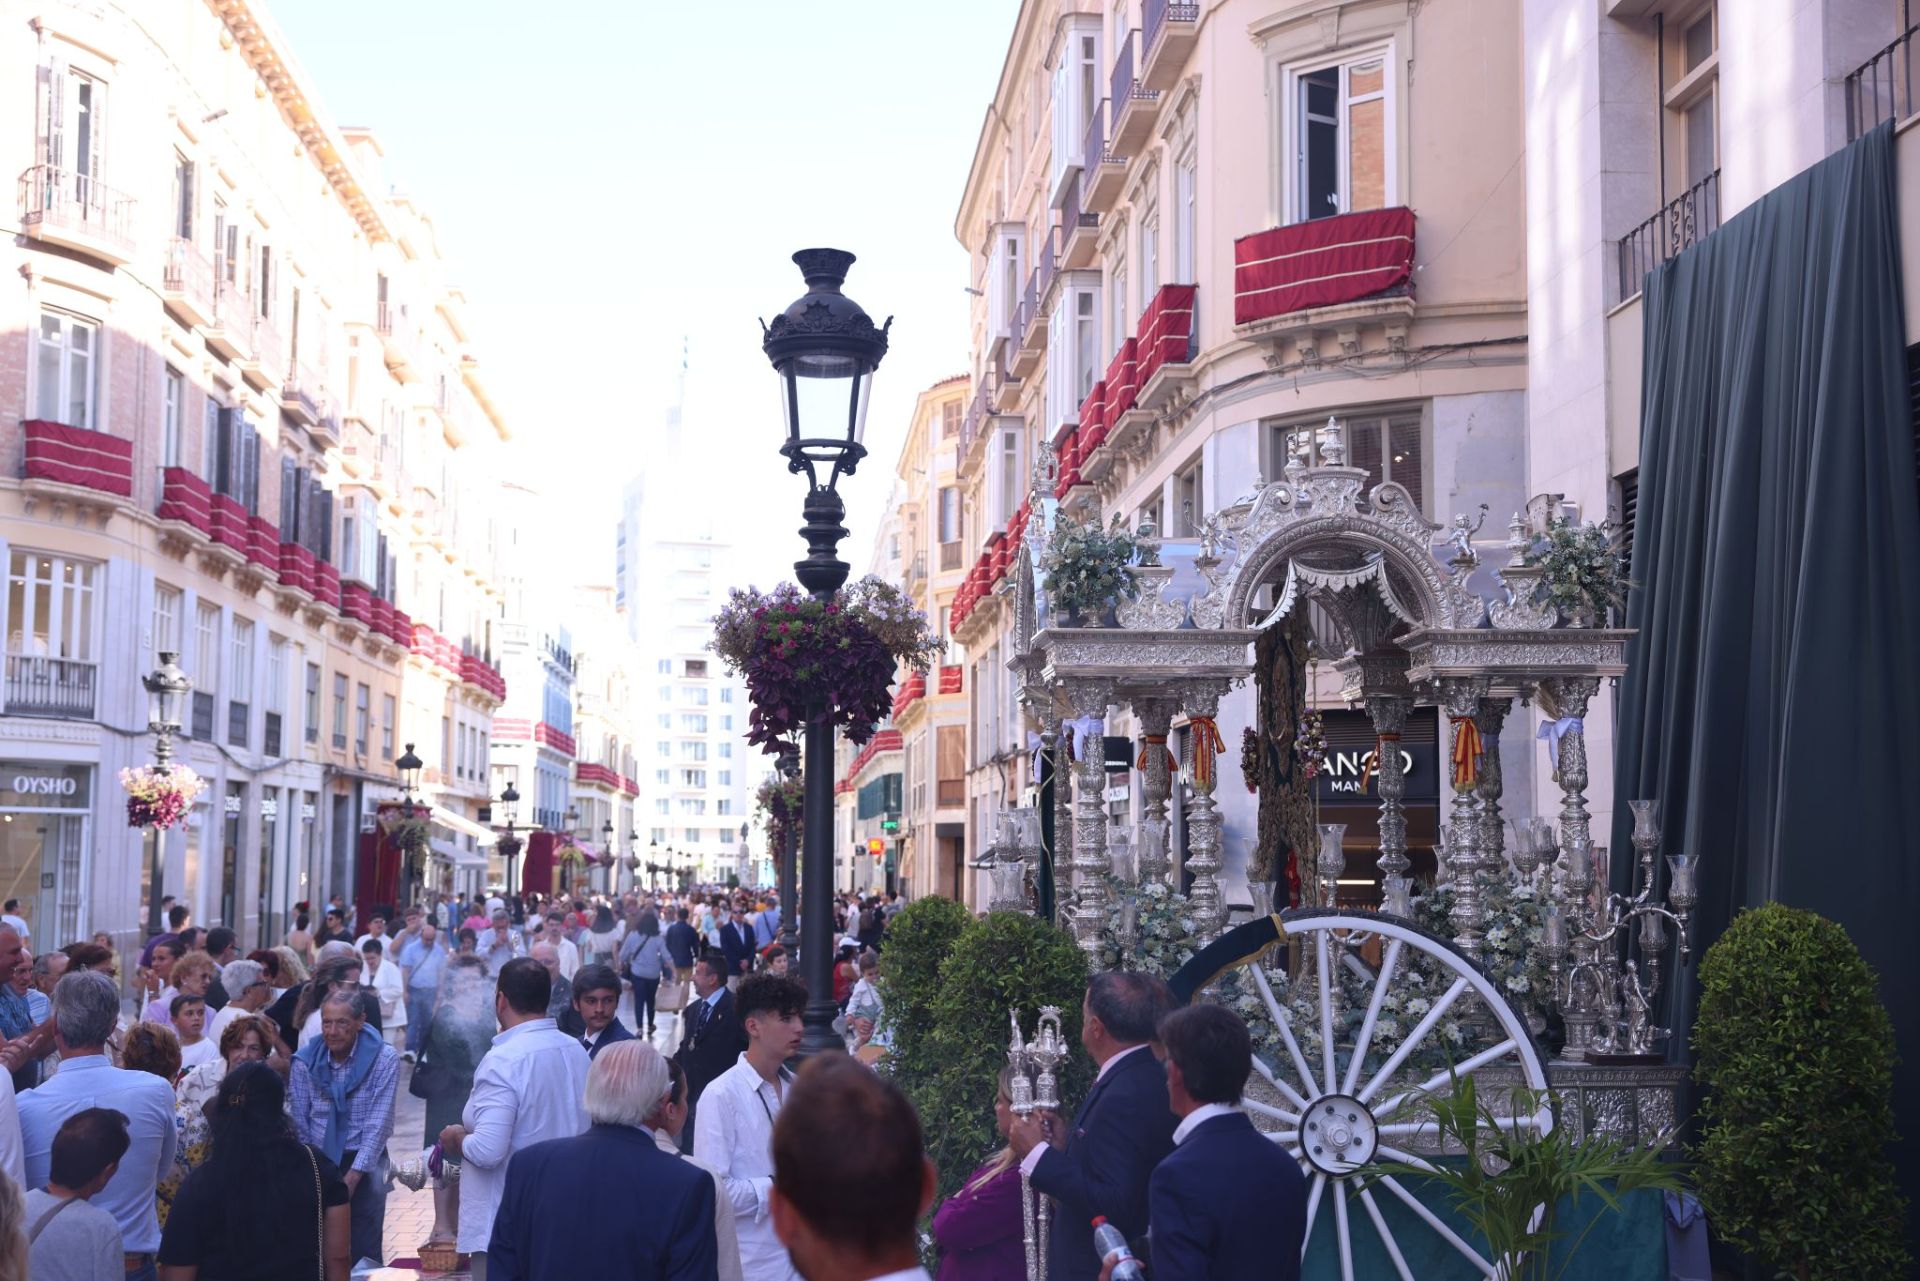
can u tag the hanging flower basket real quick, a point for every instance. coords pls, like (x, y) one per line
(1250, 758)
(411, 836)
(1585, 572)
(159, 798)
(780, 800)
(797, 653)
(569, 855)
(1310, 744)
(1088, 568)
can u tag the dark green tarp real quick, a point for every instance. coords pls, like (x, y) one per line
(1773, 693)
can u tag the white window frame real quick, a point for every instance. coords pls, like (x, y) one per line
(66, 359)
(73, 623)
(1147, 258)
(206, 648)
(240, 659)
(173, 401)
(1186, 186)
(1292, 118)
(167, 602)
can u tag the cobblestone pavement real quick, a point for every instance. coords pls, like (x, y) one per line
(409, 1213)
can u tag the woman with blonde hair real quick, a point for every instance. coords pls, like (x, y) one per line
(979, 1229)
(13, 1232)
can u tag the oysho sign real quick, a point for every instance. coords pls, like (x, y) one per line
(29, 785)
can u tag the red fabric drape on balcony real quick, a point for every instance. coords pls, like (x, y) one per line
(1166, 331)
(1123, 382)
(1320, 263)
(77, 456)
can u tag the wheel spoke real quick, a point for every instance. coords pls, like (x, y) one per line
(1313, 1204)
(1326, 1009)
(1386, 1238)
(1446, 1233)
(1413, 1129)
(1405, 1158)
(1419, 1033)
(1291, 1095)
(1445, 1075)
(1365, 1038)
(1269, 1111)
(1345, 1233)
(1286, 1034)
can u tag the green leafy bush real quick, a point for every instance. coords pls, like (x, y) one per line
(1796, 1064)
(950, 1037)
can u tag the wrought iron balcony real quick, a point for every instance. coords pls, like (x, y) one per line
(1134, 105)
(1079, 228)
(300, 394)
(1881, 88)
(186, 282)
(56, 687)
(1170, 32)
(1685, 221)
(77, 210)
(1104, 171)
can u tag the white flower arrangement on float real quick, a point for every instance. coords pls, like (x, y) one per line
(1512, 955)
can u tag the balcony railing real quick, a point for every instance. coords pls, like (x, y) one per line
(300, 393)
(1881, 89)
(187, 278)
(78, 456)
(62, 204)
(1156, 13)
(1686, 220)
(1094, 147)
(59, 687)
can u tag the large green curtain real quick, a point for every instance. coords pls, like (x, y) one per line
(1773, 694)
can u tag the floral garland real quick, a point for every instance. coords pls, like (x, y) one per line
(568, 854)
(1310, 744)
(158, 798)
(1584, 568)
(1089, 567)
(1511, 953)
(796, 652)
(1250, 758)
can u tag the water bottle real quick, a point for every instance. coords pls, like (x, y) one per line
(1110, 1245)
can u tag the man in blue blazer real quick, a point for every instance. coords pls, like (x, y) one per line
(596, 995)
(1101, 1165)
(736, 944)
(568, 1206)
(1229, 1204)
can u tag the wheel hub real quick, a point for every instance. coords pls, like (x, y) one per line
(1338, 1134)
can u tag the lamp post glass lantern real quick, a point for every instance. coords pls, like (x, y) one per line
(509, 844)
(167, 689)
(824, 349)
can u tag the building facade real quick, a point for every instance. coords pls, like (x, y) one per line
(239, 421)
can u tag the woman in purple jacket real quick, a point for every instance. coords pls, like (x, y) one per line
(979, 1228)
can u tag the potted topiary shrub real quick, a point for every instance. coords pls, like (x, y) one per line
(1089, 568)
(1796, 1068)
(1585, 573)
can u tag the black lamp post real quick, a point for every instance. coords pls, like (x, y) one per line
(409, 766)
(653, 865)
(824, 349)
(633, 859)
(606, 850)
(789, 936)
(167, 690)
(510, 844)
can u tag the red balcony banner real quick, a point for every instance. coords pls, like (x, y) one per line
(76, 456)
(1093, 410)
(1166, 331)
(231, 524)
(263, 544)
(326, 583)
(185, 497)
(1069, 453)
(950, 678)
(1123, 381)
(356, 601)
(296, 563)
(1321, 263)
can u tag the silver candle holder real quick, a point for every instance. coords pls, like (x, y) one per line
(1035, 1087)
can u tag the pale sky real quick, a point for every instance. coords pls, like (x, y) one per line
(612, 177)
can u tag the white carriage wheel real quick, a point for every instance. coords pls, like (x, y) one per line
(1335, 1121)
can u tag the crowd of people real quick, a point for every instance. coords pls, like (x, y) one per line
(233, 1118)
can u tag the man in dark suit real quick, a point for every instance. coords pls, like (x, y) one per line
(593, 1181)
(683, 942)
(1228, 1204)
(596, 995)
(1101, 1165)
(736, 944)
(711, 1037)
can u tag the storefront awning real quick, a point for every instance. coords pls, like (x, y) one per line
(457, 856)
(453, 822)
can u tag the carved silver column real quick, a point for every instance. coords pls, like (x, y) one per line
(1203, 818)
(1490, 719)
(1156, 717)
(1569, 696)
(1389, 713)
(1090, 862)
(1460, 697)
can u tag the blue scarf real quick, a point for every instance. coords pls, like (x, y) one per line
(16, 1017)
(339, 1080)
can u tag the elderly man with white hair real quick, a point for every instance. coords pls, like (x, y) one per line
(592, 1182)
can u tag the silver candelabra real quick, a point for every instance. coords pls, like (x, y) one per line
(1035, 1087)
(1605, 998)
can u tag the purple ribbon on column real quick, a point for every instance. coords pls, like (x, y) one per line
(1554, 731)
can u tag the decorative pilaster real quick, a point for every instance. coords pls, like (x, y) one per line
(1570, 695)
(1460, 697)
(1490, 719)
(1389, 714)
(1090, 862)
(1203, 818)
(1156, 719)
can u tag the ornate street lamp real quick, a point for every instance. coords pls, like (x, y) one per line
(653, 865)
(606, 850)
(824, 348)
(409, 766)
(167, 690)
(510, 844)
(789, 936)
(633, 859)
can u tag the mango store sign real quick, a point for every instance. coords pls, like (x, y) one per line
(1348, 776)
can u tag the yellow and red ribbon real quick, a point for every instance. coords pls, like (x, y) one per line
(1373, 762)
(1147, 743)
(1466, 753)
(1206, 746)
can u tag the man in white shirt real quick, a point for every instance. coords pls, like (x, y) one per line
(737, 1112)
(556, 934)
(529, 1088)
(12, 917)
(500, 944)
(850, 1212)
